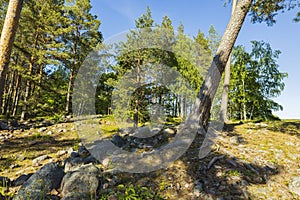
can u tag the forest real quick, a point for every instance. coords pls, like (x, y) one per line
(83, 117)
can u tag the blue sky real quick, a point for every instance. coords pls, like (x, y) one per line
(118, 15)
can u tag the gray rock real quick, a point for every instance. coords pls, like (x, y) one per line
(235, 140)
(72, 164)
(118, 141)
(294, 186)
(42, 182)
(83, 152)
(244, 183)
(38, 160)
(70, 150)
(43, 129)
(169, 131)
(90, 159)
(80, 184)
(21, 179)
(61, 153)
(74, 154)
(14, 123)
(3, 125)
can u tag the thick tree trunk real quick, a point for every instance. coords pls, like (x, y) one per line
(212, 80)
(224, 102)
(7, 38)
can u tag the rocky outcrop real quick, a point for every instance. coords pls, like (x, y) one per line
(41, 183)
(81, 183)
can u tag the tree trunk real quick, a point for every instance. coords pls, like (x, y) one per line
(28, 82)
(16, 96)
(212, 80)
(7, 101)
(72, 72)
(41, 71)
(7, 39)
(136, 110)
(224, 102)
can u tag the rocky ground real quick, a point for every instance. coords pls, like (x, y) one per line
(42, 160)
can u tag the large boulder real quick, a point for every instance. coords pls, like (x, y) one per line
(41, 183)
(80, 184)
(118, 141)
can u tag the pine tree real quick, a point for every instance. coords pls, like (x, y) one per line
(83, 35)
(7, 38)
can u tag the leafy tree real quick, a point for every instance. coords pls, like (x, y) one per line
(39, 45)
(82, 36)
(255, 81)
(213, 40)
(261, 11)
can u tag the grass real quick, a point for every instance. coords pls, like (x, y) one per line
(276, 144)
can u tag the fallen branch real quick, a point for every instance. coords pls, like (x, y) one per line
(213, 161)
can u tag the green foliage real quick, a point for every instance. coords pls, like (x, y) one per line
(255, 80)
(52, 41)
(267, 10)
(144, 62)
(132, 192)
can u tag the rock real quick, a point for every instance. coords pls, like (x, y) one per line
(49, 133)
(197, 192)
(14, 123)
(61, 153)
(235, 140)
(4, 181)
(80, 184)
(90, 159)
(106, 162)
(244, 183)
(37, 161)
(294, 186)
(41, 183)
(72, 164)
(118, 141)
(198, 186)
(43, 129)
(125, 131)
(83, 152)
(21, 179)
(3, 125)
(169, 131)
(74, 154)
(70, 150)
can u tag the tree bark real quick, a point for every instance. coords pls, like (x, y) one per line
(28, 81)
(224, 102)
(16, 96)
(72, 71)
(212, 80)
(7, 39)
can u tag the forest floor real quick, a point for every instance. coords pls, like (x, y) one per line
(248, 161)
